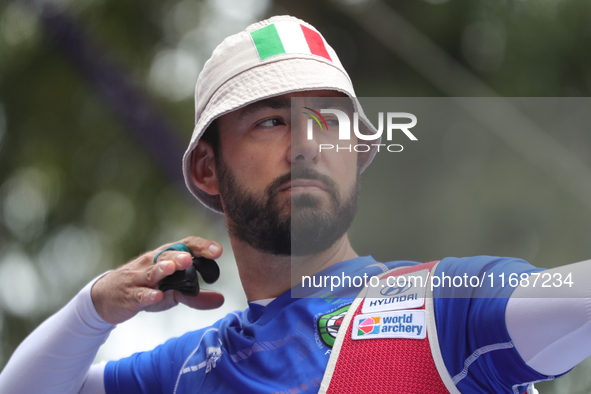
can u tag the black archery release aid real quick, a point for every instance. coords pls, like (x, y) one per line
(187, 281)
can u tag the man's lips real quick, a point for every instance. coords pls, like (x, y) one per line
(304, 184)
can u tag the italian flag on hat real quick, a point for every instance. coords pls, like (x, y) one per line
(286, 37)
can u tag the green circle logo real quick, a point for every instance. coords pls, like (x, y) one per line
(329, 324)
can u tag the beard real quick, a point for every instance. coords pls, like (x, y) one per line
(301, 228)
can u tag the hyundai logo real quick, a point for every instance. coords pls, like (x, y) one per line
(395, 290)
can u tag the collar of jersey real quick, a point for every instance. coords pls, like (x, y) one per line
(359, 266)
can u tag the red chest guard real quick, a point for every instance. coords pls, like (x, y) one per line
(388, 365)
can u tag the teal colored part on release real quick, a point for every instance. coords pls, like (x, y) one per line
(181, 247)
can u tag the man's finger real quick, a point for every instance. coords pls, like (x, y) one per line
(205, 300)
(198, 247)
(164, 268)
(144, 297)
(201, 247)
(181, 260)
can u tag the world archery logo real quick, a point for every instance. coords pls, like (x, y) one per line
(318, 118)
(329, 324)
(369, 325)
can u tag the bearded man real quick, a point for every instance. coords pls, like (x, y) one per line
(288, 206)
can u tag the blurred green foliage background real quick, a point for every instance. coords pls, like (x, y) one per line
(84, 84)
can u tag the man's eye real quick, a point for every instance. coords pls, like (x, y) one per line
(332, 121)
(271, 122)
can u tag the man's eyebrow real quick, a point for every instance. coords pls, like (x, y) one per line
(270, 103)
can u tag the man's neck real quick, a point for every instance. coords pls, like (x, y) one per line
(265, 275)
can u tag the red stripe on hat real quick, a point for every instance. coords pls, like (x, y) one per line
(315, 42)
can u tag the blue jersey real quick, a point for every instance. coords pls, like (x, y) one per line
(285, 346)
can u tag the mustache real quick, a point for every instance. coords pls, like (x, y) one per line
(303, 173)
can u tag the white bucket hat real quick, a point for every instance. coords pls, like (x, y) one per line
(276, 56)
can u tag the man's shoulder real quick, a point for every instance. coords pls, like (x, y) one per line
(485, 262)
(467, 261)
(208, 333)
(479, 276)
(470, 265)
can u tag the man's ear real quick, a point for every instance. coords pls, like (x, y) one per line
(203, 168)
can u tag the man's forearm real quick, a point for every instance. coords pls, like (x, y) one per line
(56, 357)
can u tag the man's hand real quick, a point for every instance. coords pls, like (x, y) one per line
(122, 293)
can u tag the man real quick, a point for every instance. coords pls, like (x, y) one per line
(288, 206)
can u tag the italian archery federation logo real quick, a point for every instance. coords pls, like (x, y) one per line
(329, 324)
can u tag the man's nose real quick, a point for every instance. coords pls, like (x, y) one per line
(304, 147)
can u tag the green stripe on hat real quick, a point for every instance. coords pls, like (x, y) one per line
(267, 42)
